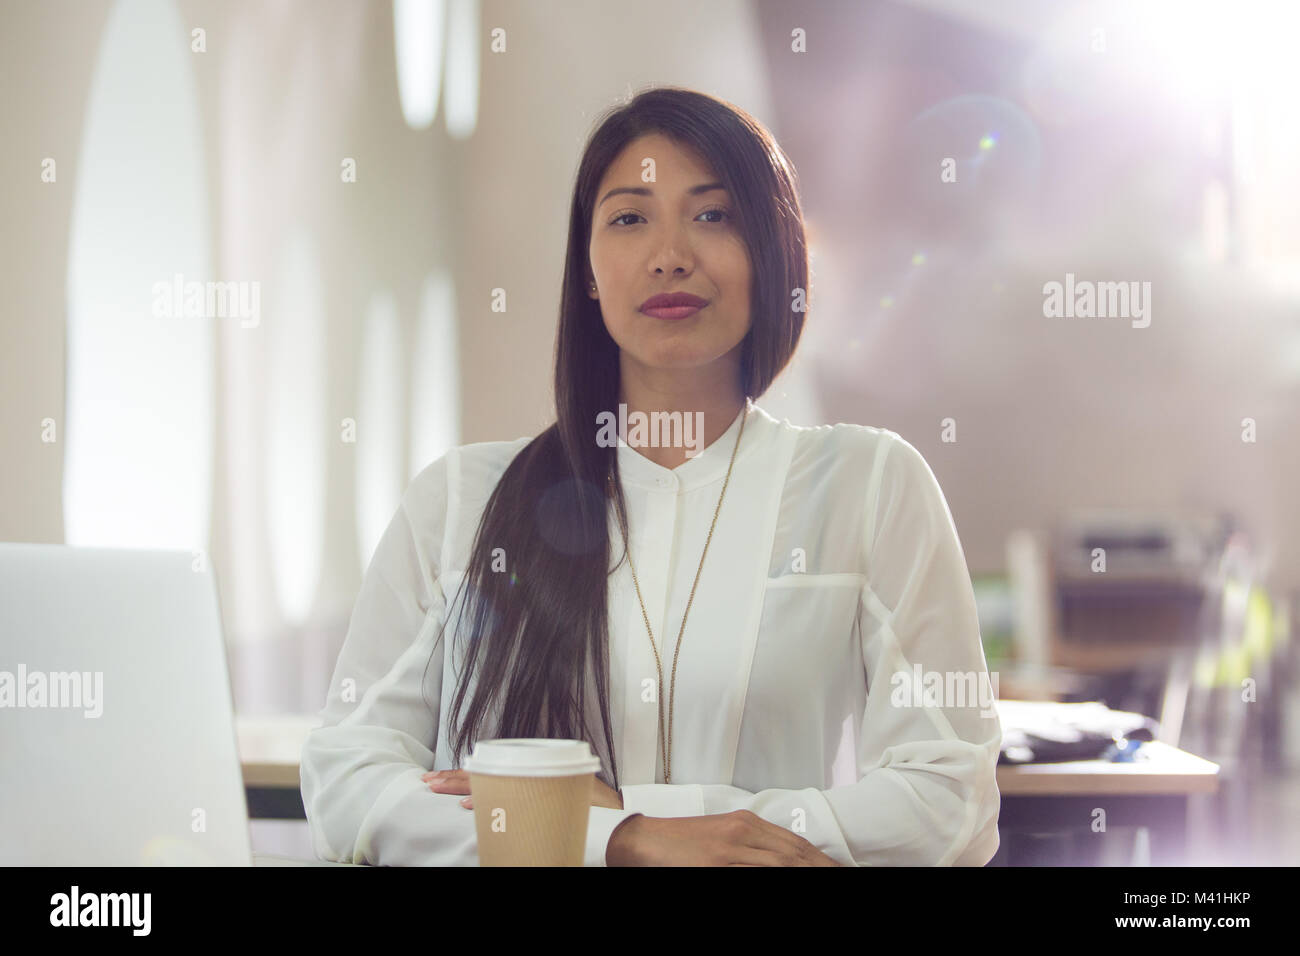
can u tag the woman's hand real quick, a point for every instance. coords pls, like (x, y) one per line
(738, 838)
(450, 781)
(457, 781)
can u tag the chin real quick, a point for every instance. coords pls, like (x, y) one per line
(683, 358)
(694, 349)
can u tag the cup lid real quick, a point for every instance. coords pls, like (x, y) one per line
(532, 757)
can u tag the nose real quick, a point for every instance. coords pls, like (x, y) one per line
(673, 255)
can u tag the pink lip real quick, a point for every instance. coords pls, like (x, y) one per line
(673, 312)
(673, 305)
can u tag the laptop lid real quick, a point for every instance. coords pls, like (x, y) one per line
(117, 736)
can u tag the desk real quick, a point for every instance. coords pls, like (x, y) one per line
(1151, 793)
(269, 748)
(1036, 798)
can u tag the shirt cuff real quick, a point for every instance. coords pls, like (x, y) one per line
(664, 799)
(601, 823)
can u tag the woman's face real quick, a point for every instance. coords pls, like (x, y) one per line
(667, 237)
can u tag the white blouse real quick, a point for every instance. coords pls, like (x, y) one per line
(834, 582)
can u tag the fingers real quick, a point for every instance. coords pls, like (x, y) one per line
(779, 843)
(450, 781)
(447, 778)
(752, 856)
(766, 835)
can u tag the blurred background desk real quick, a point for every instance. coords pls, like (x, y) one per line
(1052, 806)
(269, 748)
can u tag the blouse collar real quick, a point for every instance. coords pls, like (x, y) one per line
(709, 465)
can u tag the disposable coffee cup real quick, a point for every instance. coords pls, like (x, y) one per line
(532, 799)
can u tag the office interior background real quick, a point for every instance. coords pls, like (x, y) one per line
(368, 173)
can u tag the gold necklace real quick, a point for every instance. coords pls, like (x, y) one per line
(668, 750)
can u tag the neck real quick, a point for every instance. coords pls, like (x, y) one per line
(718, 399)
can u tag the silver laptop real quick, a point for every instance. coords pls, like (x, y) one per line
(117, 735)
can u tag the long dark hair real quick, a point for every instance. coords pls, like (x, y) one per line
(539, 615)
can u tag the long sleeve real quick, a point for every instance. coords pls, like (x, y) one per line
(360, 770)
(927, 794)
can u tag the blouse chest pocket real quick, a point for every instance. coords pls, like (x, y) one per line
(807, 635)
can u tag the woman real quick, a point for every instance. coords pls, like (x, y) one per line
(773, 595)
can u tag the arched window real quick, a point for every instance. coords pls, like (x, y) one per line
(435, 381)
(379, 424)
(139, 418)
(419, 29)
(296, 425)
(417, 38)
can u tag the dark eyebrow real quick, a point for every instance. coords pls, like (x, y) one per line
(647, 191)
